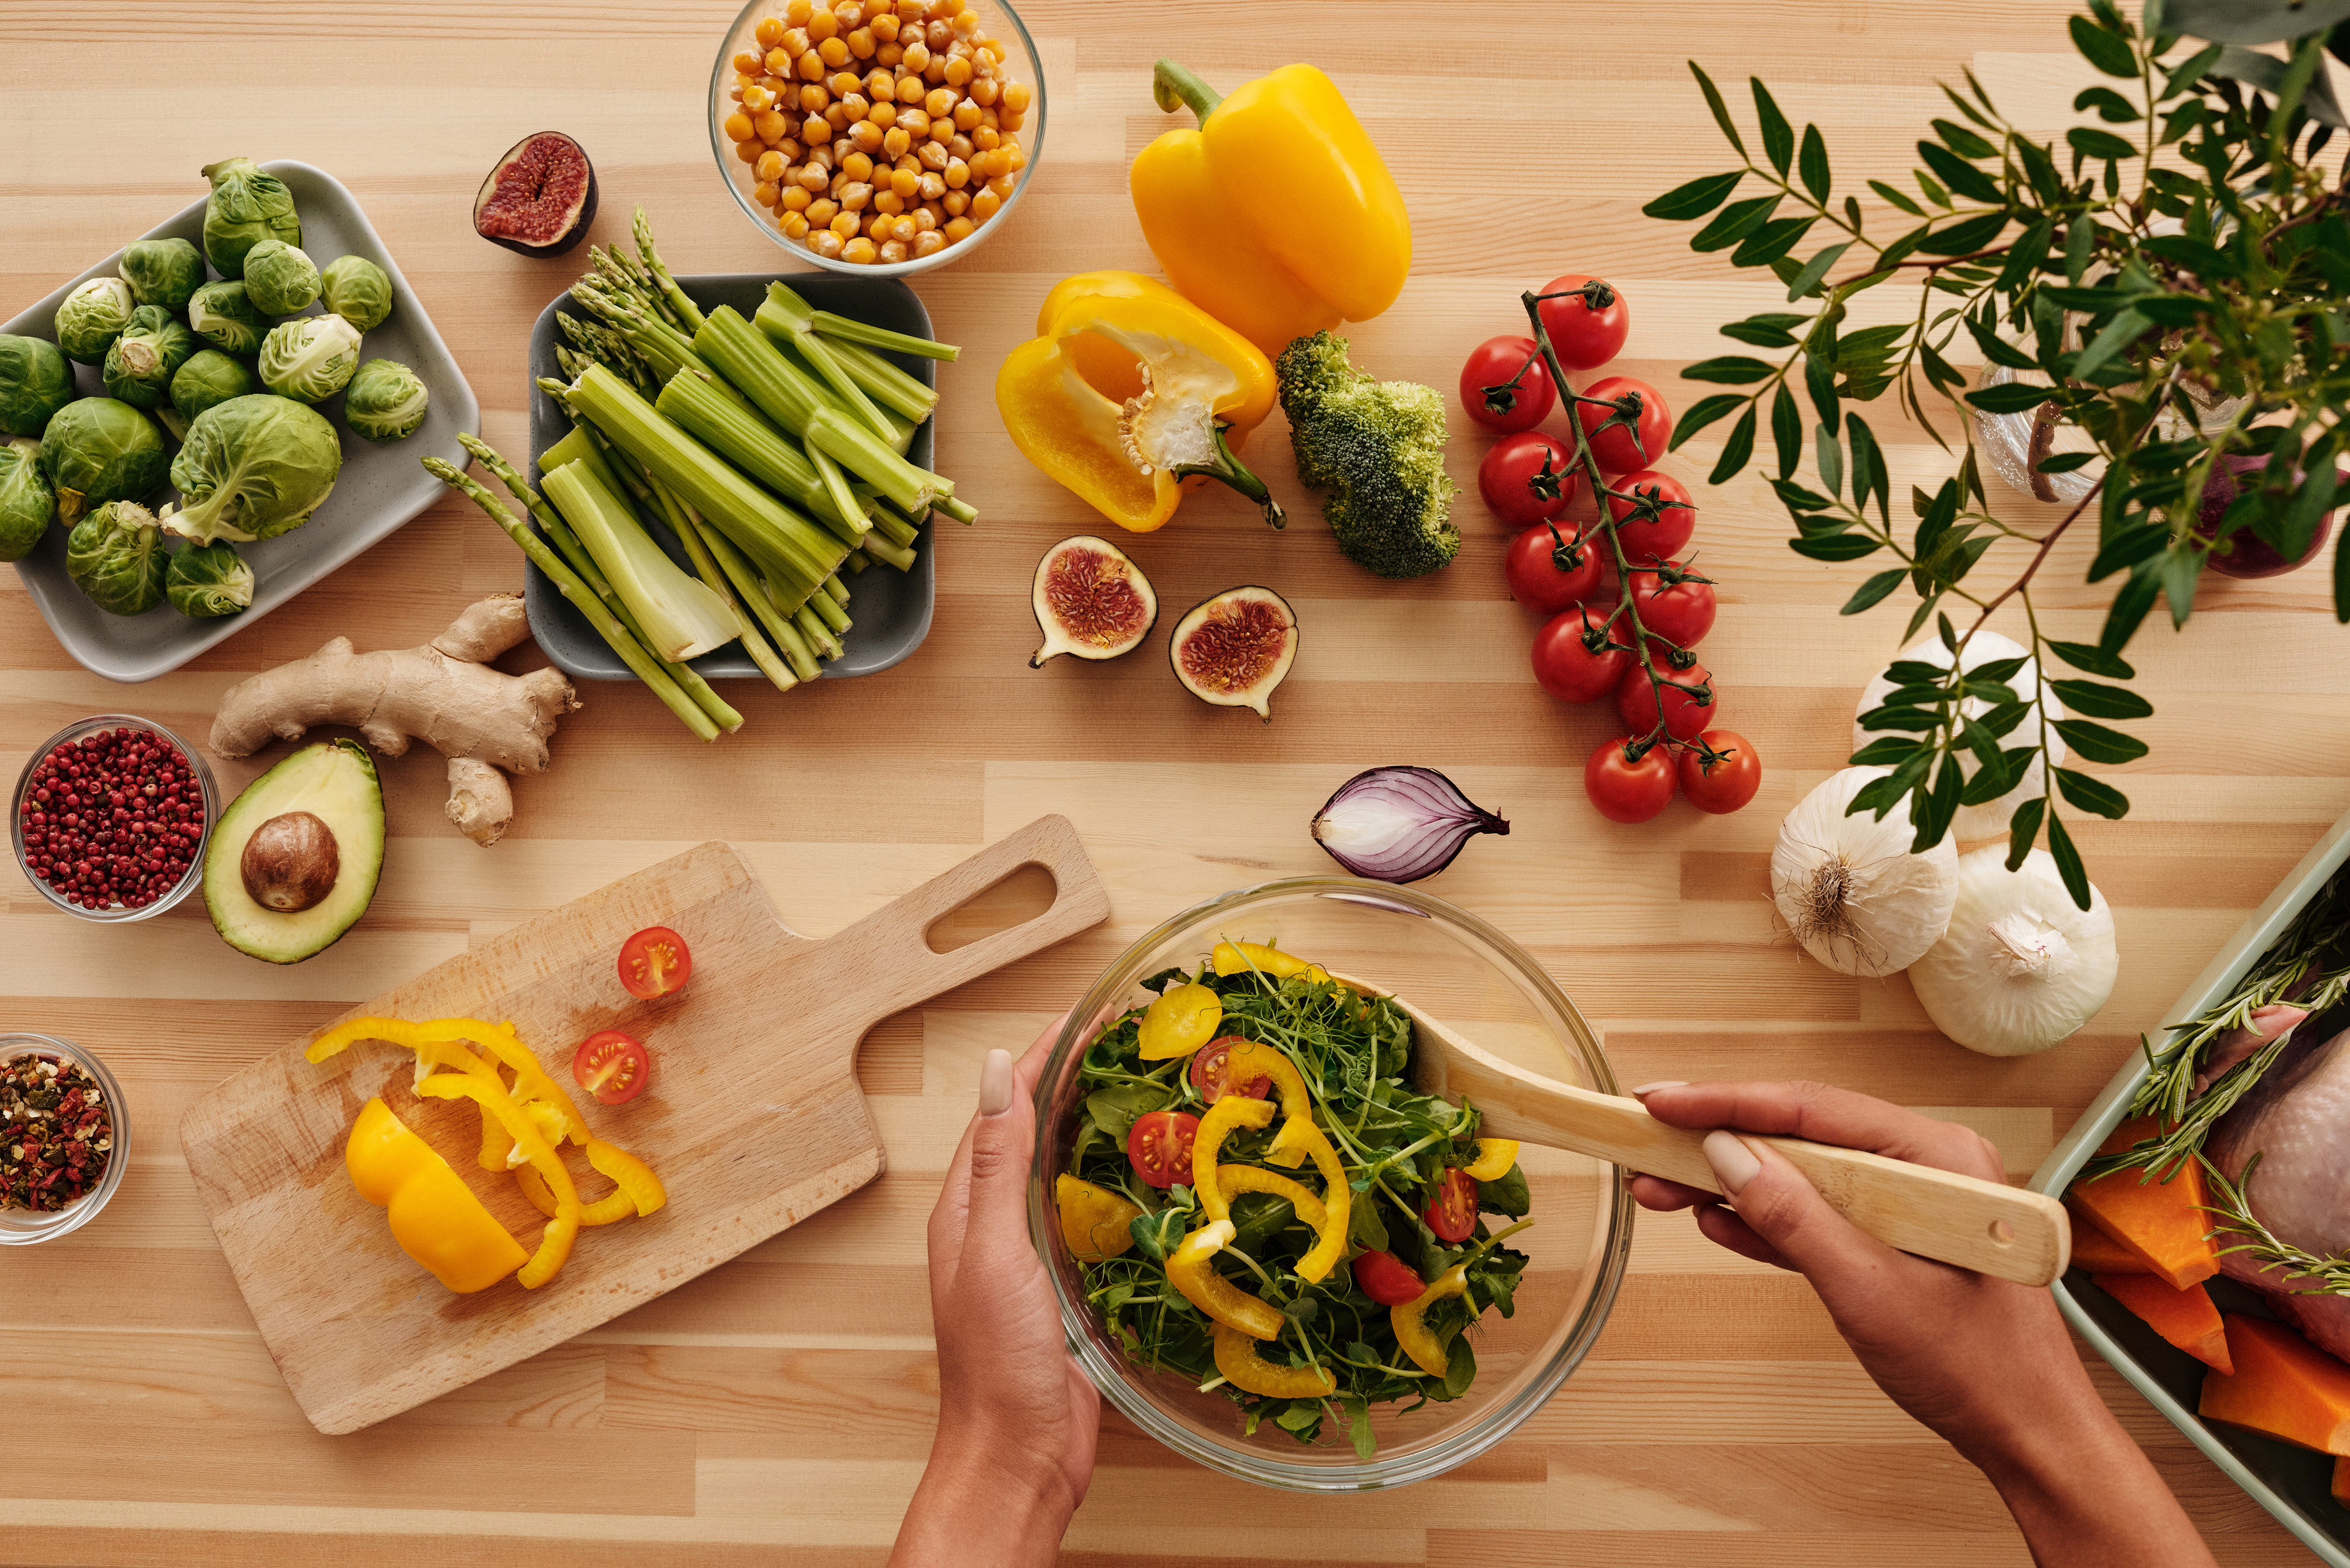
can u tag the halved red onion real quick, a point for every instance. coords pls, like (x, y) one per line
(1400, 824)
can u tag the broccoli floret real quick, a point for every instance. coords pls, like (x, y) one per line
(1378, 448)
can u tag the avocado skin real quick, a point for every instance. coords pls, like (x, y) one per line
(336, 781)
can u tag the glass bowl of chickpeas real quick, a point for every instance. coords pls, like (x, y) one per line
(876, 136)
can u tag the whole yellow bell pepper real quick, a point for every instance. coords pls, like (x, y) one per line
(1276, 214)
(1243, 1368)
(1196, 389)
(435, 1217)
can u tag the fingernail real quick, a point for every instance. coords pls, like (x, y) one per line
(1643, 1090)
(995, 1084)
(1733, 1163)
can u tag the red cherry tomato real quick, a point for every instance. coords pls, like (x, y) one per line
(1646, 538)
(1493, 364)
(1211, 1072)
(1538, 574)
(1565, 664)
(1387, 1279)
(655, 963)
(1528, 478)
(1159, 1146)
(1614, 446)
(1451, 1213)
(1685, 710)
(1680, 613)
(1626, 789)
(611, 1066)
(1584, 336)
(1729, 781)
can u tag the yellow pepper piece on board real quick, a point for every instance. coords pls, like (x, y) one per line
(1200, 389)
(1494, 1157)
(1243, 1368)
(1234, 1110)
(564, 1229)
(1235, 1179)
(634, 1176)
(1410, 1319)
(436, 1044)
(1094, 1221)
(1191, 1269)
(434, 1216)
(1277, 215)
(1180, 1021)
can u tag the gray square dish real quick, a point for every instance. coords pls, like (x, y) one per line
(380, 486)
(2291, 1484)
(888, 610)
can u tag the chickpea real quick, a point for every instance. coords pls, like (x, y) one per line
(895, 141)
(794, 226)
(822, 211)
(748, 62)
(957, 72)
(931, 187)
(738, 127)
(854, 196)
(929, 244)
(985, 91)
(797, 11)
(1017, 97)
(826, 244)
(795, 42)
(837, 116)
(813, 177)
(876, 228)
(763, 193)
(1011, 121)
(841, 84)
(884, 112)
(769, 169)
(833, 52)
(955, 203)
(796, 198)
(735, 92)
(857, 166)
(960, 147)
(884, 27)
(791, 149)
(958, 230)
(865, 136)
(860, 251)
(939, 103)
(846, 224)
(957, 174)
(914, 121)
(1003, 185)
(910, 92)
(757, 99)
(938, 35)
(931, 155)
(811, 66)
(965, 26)
(888, 203)
(917, 56)
(861, 43)
(851, 14)
(854, 101)
(822, 24)
(908, 11)
(815, 98)
(893, 251)
(983, 204)
(985, 139)
(748, 151)
(769, 32)
(889, 55)
(905, 183)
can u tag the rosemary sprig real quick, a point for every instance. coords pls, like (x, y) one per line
(2234, 1210)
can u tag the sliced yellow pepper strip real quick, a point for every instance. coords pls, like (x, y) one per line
(636, 1179)
(434, 1216)
(1410, 1319)
(1297, 1140)
(1236, 958)
(564, 1229)
(1330, 1245)
(1494, 1157)
(1254, 1059)
(1192, 1270)
(1183, 1018)
(1243, 1368)
(1232, 1111)
(531, 1082)
(1094, 1222)
(436, 1045)
(1234, 1179)
(551, 1127)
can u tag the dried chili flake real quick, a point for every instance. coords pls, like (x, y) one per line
(57, 1132)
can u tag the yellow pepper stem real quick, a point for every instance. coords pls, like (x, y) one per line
(1243, 1368)
(1192, 1271)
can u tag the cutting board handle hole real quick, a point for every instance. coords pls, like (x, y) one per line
(2002, 1233)
(1013, 900)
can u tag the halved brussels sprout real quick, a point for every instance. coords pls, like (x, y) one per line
(207, 581)
(161, 272)
(279, 278)
(26, 502)
(208, 379)
(99, 450)
(92, 316)
(140, 365)
(356, 289)
(254, 468)
(247, 206)
(222, 313)
(115, 556)
(35, 383)
(386, 402)
(309, 358)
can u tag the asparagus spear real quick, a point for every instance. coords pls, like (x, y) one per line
(689, 315)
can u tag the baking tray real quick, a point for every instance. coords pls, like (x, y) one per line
(888, 610)
(380, 486)
(2291, 1484)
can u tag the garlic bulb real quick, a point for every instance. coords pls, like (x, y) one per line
(2022, 965)
(1989, 819)
(1848, 887)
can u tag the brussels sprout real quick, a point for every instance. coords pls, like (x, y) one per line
(207, 581)
(99, 450)
(161, 272)
(140, 365)
(279, 278)
(92, 317)
(310, 359)
(210, 378)
(222, 313)
(115, 556)
(254, 468)
(26, 501)
(247, 207)
(357, 290)
(174, 423)
(386, 402)
(35, 382)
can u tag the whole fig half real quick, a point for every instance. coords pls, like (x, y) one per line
(1090, 601)
(1233, 648)
(540, 198)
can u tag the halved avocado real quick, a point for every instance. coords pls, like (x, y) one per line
(333, 782)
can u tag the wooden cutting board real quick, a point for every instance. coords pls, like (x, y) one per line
(753, 1118)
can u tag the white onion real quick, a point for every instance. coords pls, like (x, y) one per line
(1989, 818)
(2022, 965)
(1848, 887)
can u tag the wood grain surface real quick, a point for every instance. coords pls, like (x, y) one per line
(778, 1409)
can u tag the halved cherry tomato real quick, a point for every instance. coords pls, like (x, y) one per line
(1726, 782)
(1493, 366)
(1536, 572)
(1452, 1212)
(1387, 1279)
(1584, 338)
(612, 1066)
(1687, 702)
(1159, 1146)
(1614, 447)
(1659, 519)
(1212, 1078)
(655, 963)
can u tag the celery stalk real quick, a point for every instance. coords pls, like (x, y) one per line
(705, 408)
(683, 618)
(791, 308)
(827, 610)
(961, 511)
(752, 589)
(813, 628)
(842, 500)
(879, 546)
(895, 529)
(857, 561)
(884, 382)
(836, 588)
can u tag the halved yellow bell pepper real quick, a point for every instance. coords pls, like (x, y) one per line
(1276, 214)
(1234, 1110)
(1191, 1269)
(1094, 1221)
(1243, 1368)
(434, 1216)
(1410, 1319)
(1494, 1157)
(564, 1229)
(1201, 388)
(1180, 1021)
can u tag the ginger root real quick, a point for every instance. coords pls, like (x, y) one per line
(444, 694)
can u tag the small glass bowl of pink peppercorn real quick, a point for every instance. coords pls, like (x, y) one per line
(110, 818)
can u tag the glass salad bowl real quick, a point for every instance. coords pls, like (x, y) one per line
(1461, 971)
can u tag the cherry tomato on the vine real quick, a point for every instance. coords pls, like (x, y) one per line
(1528, 478)
(1686, 712)
(1679, 612)
(1451, 1213)
(1387, 1279)
(1211, 1073)
(1486, 392)
(1159, 1146)
(1614, 446)
(1584, 336)
(612, 1066)
(1565, 664)
(1629, 789)
(1724, 782)
(655, 963)
(1659, 519)
(1550, 568)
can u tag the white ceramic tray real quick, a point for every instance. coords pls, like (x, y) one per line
(380, 486)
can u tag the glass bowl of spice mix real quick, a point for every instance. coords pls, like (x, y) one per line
(64, 1138)
(110, 817)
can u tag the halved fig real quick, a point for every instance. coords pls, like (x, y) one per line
(1233, 649)
(1091, 600)
(541, 197)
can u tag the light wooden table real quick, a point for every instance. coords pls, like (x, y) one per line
(778, 1410)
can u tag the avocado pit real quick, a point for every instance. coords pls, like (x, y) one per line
(291, 862)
